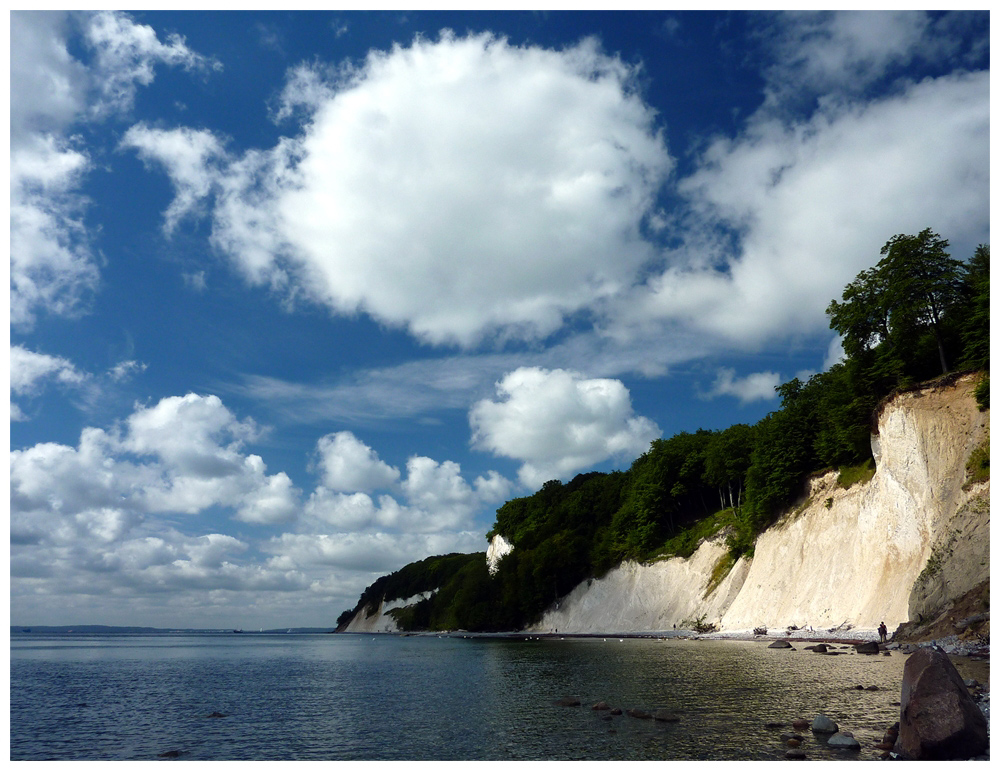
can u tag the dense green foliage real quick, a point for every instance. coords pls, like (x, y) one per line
(901, 322)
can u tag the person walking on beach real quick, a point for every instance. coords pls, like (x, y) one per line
(883, 633)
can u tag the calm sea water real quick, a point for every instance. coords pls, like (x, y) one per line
(355, 697)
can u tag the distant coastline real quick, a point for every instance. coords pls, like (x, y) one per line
(102, 629)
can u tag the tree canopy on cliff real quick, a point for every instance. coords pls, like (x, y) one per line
(901, 322)
(887, 312)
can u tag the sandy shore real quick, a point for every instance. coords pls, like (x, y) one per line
(953, 645)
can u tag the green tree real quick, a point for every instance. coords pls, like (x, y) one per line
(923, 283)
(727, 459)
(976, 322)
(886, 309)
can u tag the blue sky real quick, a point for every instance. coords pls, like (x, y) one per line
(298, 298)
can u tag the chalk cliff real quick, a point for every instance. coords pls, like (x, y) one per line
(901, 546)
(913, 538)
(374, 620)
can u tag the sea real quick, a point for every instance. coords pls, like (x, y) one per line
(283, 697)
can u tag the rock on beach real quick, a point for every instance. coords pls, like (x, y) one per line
(939, 720)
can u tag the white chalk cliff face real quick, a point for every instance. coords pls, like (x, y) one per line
(844, 556)
(498, 549)
(913, 538)
(380, 620)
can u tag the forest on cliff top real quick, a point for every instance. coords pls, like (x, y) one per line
(917, 315)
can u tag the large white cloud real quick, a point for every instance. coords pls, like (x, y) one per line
(465, 187)
(812, 202)
(456, 188)
(559, 422)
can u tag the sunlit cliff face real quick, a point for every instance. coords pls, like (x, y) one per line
(498, 549)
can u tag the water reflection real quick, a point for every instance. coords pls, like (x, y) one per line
(425, 698)
(724, 691)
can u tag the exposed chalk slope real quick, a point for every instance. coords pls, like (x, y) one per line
(841, 557)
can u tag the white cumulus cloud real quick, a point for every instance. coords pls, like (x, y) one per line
(435, 496)
(349, 465)
(182, 455)
(458, 188)
(811, 202)
(558, 422)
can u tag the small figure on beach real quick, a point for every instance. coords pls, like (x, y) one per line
(883, 633)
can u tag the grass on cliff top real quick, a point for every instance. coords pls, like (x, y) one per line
(684, 543)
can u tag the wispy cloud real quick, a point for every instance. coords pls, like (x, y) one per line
(758, 386)
(53, 267)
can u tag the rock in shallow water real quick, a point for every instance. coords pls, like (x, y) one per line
(821, 724)
(843, 741)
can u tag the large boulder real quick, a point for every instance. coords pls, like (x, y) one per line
(938, 718)
(780, 644)
(868, 648)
